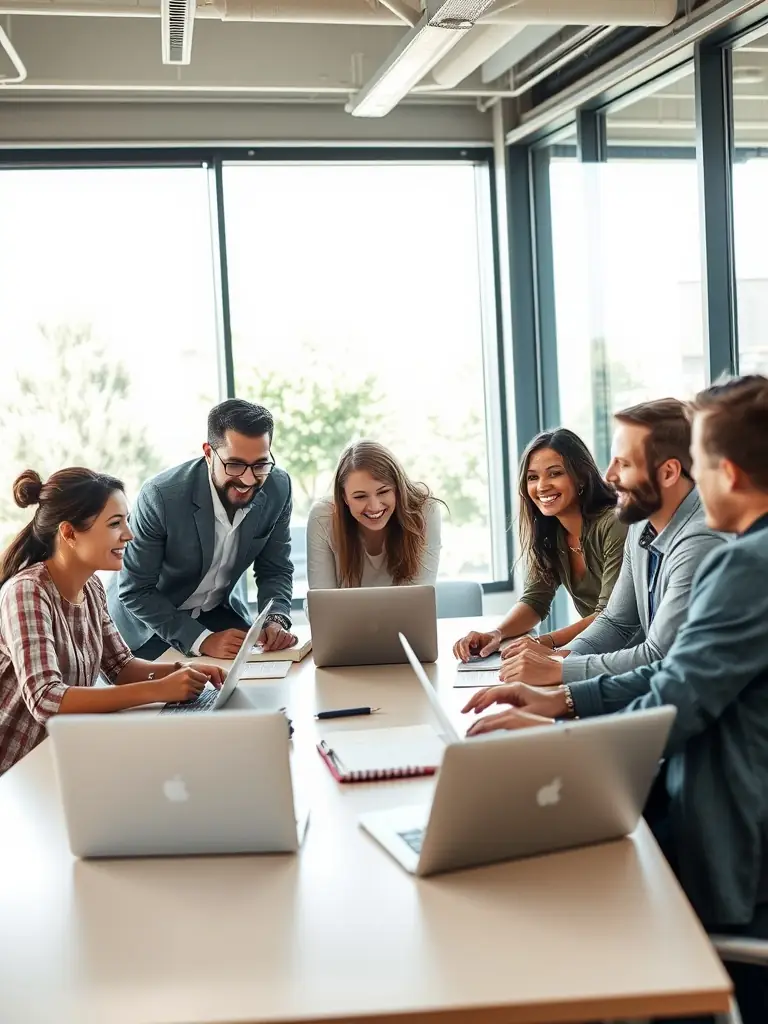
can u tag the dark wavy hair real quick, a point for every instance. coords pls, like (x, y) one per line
(73, 495)
(539, 533)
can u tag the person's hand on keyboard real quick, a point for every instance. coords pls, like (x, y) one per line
(187, 682)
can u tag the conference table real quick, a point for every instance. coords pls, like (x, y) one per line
(339, 932)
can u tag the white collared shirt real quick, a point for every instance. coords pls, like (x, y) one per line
(215, 583)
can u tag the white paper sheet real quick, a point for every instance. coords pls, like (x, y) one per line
(266, 670)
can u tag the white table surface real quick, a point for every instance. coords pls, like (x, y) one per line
(339, 932)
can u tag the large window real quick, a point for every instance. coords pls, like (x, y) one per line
(627, 276)
(750, 187)
(107, 322)
(357, 302)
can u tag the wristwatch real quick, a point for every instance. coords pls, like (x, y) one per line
(281, 620)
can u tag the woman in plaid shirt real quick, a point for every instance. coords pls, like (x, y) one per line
(56, 636)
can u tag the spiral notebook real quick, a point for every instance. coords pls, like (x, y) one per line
(372, 755)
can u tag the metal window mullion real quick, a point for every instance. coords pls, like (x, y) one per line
(221, 279)
(494, 362)
(591, 137)
(525, 349)
(544, 288)
(714, 154)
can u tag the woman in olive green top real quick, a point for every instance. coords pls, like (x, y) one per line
(570, 537)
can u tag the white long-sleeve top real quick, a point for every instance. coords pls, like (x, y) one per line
(323, 564)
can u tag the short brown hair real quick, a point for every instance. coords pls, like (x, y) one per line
(735, 426)
(668, 421)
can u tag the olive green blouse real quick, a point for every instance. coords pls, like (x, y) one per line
(602, 541)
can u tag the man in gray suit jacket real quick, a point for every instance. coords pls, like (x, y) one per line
(198, 527)
(667, 541)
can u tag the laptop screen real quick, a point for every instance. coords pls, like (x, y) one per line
(241, 659)
(449, 732)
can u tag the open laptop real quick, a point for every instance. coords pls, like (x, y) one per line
(149, 785)
(514, 794)
(360, 625)
(211, 699)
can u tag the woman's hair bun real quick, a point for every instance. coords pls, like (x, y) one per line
(26, 488)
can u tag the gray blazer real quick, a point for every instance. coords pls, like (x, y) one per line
(173, 523)
(621, 639)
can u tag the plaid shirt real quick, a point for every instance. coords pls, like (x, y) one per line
(46, 645)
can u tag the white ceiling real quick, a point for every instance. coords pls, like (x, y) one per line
(335, 55)
(270, 58)
(266, 70)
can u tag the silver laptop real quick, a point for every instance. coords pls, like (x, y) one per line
(360, 625)
(211, 699)
(514, 794)
(148, 785)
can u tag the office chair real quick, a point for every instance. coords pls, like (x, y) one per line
(458, 599)
(739, 950)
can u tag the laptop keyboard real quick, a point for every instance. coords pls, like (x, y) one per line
(203, 702)
(414, 838)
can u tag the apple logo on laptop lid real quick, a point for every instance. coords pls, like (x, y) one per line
(549, 795)
(175, 790)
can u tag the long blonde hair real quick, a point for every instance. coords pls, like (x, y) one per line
(407, 528)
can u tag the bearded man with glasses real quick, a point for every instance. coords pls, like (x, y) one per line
(197, 529)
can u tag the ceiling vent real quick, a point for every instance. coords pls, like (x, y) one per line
(178, 21)
(459, 14)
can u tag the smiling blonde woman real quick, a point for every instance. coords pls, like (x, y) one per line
(379, 528)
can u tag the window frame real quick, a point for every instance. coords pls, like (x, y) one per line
(213, 160)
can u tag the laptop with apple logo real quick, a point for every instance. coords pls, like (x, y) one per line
(176, 785)
(515, 794)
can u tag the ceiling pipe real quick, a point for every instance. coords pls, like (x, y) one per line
(651, 13)
(158, 92)
(14, 58)
(403, 10)
(322, 12)
(583, 46)
(472, 51)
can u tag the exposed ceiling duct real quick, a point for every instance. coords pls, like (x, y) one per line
(528, 39)
(473, 50)
(442, 27)
(651, 13)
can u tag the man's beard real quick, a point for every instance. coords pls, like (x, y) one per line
(233, 506)
(643, 502)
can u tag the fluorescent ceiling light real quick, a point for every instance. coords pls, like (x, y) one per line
(443, 25)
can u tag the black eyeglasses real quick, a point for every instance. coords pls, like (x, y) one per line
(236, 468)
